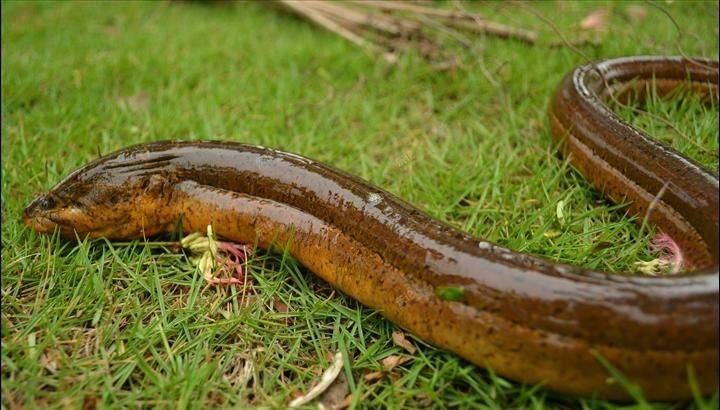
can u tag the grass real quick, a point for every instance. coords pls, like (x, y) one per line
(100, 324)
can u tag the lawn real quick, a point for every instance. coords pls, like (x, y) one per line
(115, 325)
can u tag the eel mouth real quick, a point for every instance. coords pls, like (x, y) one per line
(39, 223)
(38, 214)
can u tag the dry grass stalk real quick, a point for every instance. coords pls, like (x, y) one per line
(388, 28)
(405, 6)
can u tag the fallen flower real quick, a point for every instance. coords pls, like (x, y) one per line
(670, 257)
(597, 20)
(234, 257)
(651, 268)
(211, 255)
(669, 250)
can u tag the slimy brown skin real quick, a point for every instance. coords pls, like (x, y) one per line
(527, 318)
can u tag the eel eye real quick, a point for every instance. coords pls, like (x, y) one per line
(46, 203)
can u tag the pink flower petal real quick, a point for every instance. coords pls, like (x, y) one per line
(669, 251)
(231, 259)
(597, 20)
(238, 251)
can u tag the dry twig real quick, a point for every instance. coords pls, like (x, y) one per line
(388, 27)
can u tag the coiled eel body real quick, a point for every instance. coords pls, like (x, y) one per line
(527, 318)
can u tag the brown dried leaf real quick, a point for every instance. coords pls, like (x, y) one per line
(424, 400)
(372, 376)
(280, 306)
(346, 403)
(123, 322)
(239, 370)
(89, 403)
(596, 21)
(602, 245)
(90, 343)
(399, 339)
(393, 361)
(49, 361)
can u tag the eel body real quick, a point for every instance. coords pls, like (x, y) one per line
(527, 318)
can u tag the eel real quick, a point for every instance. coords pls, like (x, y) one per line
(527, 318)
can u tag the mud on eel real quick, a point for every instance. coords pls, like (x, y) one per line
(527, 318)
